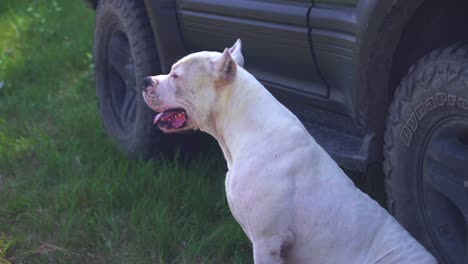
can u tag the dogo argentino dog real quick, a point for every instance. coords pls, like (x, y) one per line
(292, 200)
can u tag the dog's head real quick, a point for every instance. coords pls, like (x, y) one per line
(186, 96)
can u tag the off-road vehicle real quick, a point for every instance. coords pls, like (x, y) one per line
(382, 85)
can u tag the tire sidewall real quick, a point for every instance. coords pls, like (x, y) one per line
(432, 94)
(120, 15)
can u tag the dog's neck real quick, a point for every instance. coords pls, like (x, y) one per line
(246, 93)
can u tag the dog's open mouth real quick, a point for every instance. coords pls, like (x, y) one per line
(175, 118)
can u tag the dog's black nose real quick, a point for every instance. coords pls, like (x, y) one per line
(147, 82)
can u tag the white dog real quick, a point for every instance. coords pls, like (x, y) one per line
(292, 200)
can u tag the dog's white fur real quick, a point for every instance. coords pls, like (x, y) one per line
(292, 200)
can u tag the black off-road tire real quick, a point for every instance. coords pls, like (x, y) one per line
(125, 53)
(426, 153)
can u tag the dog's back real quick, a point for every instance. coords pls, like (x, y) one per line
(296, 185)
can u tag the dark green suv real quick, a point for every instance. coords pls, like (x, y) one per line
(382, 85)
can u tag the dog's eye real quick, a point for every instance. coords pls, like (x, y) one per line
(174, 76)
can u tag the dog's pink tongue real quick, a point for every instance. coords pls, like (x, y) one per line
(178, 121)
(162, 116)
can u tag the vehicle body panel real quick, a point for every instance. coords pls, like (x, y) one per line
(314, 56)
(276, 45)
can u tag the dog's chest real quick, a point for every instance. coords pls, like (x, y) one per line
(239, 196)
(234, 190)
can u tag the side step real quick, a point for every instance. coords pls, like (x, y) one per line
(349, 151)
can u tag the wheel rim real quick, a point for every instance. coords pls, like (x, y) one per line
(444, 188)
(120, 83)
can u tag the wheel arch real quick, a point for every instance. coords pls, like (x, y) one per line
(164, 23)
(394, 38)
(448, 24)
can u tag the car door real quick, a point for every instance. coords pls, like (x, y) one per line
(275, 38)
(333, 37)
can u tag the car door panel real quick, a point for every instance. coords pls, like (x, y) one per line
(275, 36)
(333, 38)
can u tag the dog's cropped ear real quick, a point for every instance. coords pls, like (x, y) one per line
(225, 67)
(236, 53)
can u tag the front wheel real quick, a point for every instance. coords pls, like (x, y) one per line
(125, 53)
(426, 153)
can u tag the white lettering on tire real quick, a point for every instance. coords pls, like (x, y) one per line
(430, 104)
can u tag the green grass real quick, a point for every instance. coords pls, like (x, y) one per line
(66, 194)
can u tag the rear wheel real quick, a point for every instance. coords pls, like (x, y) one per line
(125, 53)
(426, 153)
